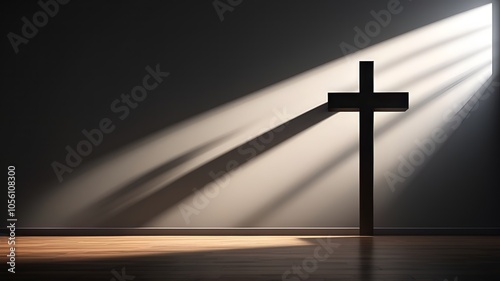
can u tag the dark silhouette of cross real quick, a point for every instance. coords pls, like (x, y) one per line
(366, 102)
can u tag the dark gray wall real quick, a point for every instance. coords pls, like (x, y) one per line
(65, 77)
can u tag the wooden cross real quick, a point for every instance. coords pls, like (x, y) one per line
(366, 102)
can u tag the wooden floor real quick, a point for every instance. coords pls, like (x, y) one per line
(239, 258)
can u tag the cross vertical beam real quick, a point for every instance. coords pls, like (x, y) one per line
(366, 77)
(366, 139)
(366, 171)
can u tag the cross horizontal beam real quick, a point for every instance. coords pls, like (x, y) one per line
(395, 101)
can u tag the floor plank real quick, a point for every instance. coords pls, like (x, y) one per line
(416, 258)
